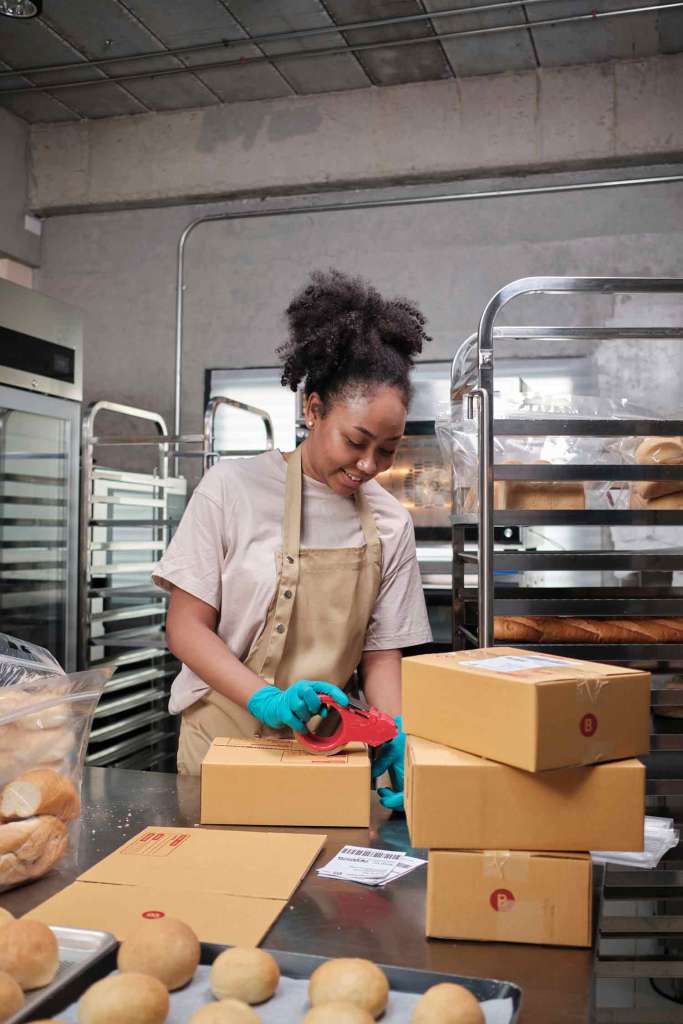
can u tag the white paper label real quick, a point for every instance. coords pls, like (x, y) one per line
(370, 867)
(513, 663)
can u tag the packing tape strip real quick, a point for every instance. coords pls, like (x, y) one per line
(589, 690)
(506, 865)
(595, 748)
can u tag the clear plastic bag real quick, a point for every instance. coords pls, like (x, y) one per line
(660, 836)
(458, 440)
(45, 720)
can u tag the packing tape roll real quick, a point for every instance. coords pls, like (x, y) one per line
(506, 865)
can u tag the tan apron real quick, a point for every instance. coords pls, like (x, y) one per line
(315, 627)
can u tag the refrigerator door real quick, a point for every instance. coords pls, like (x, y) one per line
(39, 452)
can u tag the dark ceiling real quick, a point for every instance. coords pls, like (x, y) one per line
(203, 52)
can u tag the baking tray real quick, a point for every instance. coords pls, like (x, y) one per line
(66, 990)
(84, 956)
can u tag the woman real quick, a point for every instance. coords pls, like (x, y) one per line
(289, 572)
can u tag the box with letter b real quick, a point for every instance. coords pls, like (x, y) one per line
(531, 711)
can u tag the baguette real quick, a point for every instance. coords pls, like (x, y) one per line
(520, 629)
(30, 848)
(41, 791)
(566, 629)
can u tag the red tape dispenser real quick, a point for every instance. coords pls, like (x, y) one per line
(355, 723)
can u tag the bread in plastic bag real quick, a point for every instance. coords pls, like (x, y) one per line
(458, 440)
(45, 721)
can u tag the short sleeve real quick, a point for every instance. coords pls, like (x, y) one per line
(194, 559)
(399, 618)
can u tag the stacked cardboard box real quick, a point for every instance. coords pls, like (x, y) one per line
(517, 765)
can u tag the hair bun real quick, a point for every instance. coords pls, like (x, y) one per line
(342, 330)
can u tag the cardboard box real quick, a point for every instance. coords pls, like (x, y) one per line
(276, 782)
(498, 896)
(529, 710)
(229, 886)
(459, 801)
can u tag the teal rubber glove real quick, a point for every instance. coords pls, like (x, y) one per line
(391, 758)
(294, 706)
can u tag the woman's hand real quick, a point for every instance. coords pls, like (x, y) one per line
(294, 706)
(390, 758)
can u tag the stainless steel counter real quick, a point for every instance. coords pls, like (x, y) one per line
(328, 917)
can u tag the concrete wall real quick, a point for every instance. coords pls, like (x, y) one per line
(549, 119)
(15, 241)
(119, 267)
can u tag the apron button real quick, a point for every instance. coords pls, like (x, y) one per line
(288, 593)
(280, 628)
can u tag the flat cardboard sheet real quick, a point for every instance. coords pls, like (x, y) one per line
(456, 800)
(229, 886)
(529, 710)
(252, 781)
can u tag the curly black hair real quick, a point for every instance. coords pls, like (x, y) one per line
(345, 339)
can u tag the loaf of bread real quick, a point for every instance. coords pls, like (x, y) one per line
(550, 629)
(29, 848)
(41, 791)
(530, 495)
(661, 501)
(659, 451)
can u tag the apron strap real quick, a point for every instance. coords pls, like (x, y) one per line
(291, 523)
(291, 526)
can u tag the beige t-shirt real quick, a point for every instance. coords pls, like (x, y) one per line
(223, 552)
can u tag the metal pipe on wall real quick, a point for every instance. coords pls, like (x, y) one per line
(335, 51)
(368, 204)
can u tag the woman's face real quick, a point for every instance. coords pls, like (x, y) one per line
(355, 440)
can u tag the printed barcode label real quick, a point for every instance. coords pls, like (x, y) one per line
(378, 853)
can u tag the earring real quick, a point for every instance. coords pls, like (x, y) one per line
(310, 424)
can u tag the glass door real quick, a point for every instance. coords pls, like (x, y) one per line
(39, 450)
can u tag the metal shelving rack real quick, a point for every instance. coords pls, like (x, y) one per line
(648, 943)
(127, 520)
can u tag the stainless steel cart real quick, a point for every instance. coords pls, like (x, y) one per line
(127, 519)
(642, 938)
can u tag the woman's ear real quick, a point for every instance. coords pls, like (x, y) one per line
(313, 410)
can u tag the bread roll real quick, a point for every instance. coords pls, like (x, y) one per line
(21, 749)
(40, 791)
(28, 951)
(660, 451)
(167, 949)
(338, 1013)
(447, 1004)
(52, 717)
(227, 1011)
(245, 973)
(28, 849)
(11, 996)
(350, 980)
(124, 999)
